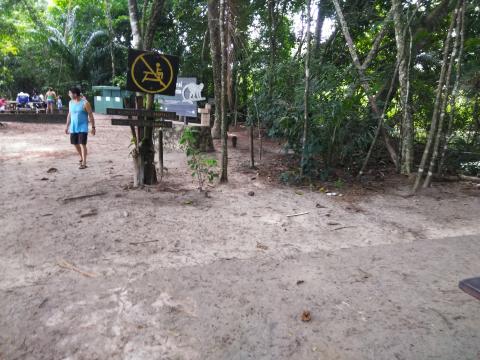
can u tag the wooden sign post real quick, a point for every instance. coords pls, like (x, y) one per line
(146, 118)
(150, 73)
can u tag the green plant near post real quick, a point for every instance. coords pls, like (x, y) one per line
(203, 168)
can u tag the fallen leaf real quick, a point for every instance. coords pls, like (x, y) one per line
(306, 317)
(261, 246)
(298, 192)
(52, 170)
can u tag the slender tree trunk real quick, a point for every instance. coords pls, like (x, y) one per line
(252, 151)
(441, 121)
(304, 161)
(153, 20)
(427, 24)
(318, 29)
(453, 98)
(363, 79)
(108, 14)
(407, 126)
(138, 178)
(134, 24)
(380, 123)
(272, 41)
(213, 26)
(224, 162)
(377, 41)
(436, 107)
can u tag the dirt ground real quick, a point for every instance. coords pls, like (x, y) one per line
(167, 273)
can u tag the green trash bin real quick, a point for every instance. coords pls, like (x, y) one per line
(108, 97)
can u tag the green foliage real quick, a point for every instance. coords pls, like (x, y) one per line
(203, 168)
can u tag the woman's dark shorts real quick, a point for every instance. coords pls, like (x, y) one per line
(78, 138)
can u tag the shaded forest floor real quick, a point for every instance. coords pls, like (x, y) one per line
(164, 272)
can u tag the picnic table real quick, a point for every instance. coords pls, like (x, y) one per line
(471, 286)
(13, 106)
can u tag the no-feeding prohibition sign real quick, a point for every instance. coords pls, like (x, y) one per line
(152, 73)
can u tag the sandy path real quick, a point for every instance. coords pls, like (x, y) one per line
(219, 280)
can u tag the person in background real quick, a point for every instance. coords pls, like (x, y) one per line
(36, 104)
(23, 99)
(79, 114)
(59, 103)
(50, 95)
(3, 104)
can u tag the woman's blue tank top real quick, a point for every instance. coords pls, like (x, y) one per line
(78, 117)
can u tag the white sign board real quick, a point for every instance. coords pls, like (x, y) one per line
(184, 103)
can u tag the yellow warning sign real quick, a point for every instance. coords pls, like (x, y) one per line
(152, 73)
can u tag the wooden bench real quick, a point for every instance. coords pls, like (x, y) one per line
(471, 286)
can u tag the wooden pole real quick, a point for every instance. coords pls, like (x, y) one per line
(252, 152)
(160, 152)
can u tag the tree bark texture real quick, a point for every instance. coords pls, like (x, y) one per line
(215, 51)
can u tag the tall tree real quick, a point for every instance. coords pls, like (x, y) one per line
(402, 55)
(446, 96)
(223, 105)
(215, 51)
(305, 157)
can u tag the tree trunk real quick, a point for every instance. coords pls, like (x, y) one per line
(441, 121)
(134, 24)
(213, 25)
(154, 18)
(272, 42)
(252, 151)
(356, 62)
(436, 107)
(318, 29)
(407, 126)
(380, 124)
(449, 132)
(223, 106)
(304, 160)
(428, 24)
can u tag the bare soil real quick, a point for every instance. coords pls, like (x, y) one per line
(165, 272)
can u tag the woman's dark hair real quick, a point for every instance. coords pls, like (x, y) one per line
(75, 90)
